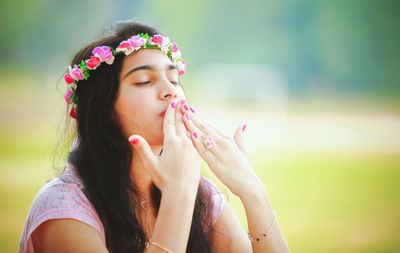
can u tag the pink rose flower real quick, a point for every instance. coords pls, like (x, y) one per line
(67, 96)
(76, 73)
(181, 67)
(132, 44)
(159, 40)
(93, 62)
(125, 47)
(175, 53)
(68, 79)
(174, 48)
(136, 41)
(104, 53)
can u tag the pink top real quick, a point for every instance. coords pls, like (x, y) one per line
(63, 198)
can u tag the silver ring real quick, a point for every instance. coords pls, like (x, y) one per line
(209, 142)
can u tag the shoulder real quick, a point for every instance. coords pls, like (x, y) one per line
(217, 198)
(67, 235)
(60, 199)
(227, 233)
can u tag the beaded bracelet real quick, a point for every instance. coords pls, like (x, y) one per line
(157, 245)
(257, 239)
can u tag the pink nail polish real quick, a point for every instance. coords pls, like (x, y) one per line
(192, 110)
(173, 104)
(195, 134)
(133, 140)
(187, 116)
(244, 127)
(186, 107)
(183, 101)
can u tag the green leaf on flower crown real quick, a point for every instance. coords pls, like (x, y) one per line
(74, 99)
(82, 66)
(144, 36)
(153, 46)
(86, 74)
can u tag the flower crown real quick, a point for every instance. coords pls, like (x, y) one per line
(107, 54)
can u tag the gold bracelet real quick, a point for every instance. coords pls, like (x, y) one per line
(157, 245)
(257, 239)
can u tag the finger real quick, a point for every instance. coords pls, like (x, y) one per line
(201, 124)
(201, 138)
(187, 120)
(209, 136)
(179, 125)
(143, 149)
(169, 120)
(238, 137)
(190, 126)
(201, 149)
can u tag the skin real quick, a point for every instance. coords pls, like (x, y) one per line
(143, 96)
(229, 160)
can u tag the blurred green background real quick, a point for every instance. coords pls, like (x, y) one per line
(318, 82)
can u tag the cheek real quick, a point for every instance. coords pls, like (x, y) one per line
(129, 106)
(129, 98)
(132, 107)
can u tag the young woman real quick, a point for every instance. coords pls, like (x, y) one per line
(132, 182)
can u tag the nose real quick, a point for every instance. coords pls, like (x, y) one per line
(168, 90)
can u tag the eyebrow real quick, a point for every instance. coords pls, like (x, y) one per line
(149, 67)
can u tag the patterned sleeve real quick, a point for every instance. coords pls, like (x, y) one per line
(58, 201)
(217, 198)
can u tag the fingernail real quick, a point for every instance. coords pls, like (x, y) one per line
(186, 107)
(192, 110)
(183, 101)
(173, 104)
(195, 134)
(187, 116)
(244, 127)
(133, 140)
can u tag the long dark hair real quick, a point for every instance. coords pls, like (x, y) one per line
(103, 157)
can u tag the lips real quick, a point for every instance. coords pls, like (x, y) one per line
(162, 114)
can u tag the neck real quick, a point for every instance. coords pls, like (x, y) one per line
(139, 173)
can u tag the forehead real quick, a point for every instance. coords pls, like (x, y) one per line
(153, 57)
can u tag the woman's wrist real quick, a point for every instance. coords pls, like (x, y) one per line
(252, 190)
(172, 227)
(179, 193)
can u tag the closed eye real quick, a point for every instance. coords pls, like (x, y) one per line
(148, 82)
(143, 83)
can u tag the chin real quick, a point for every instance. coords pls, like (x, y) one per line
(156, 140)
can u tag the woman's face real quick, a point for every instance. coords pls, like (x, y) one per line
(148, 82)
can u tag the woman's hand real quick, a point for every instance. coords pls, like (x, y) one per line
(226, 156)
(178, 167)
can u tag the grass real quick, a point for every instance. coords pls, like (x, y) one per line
(339, 201)
(333, 202)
